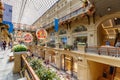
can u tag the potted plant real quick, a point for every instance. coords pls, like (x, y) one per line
(68, 47)
(19, 48)
(18, 51)
(42, 72)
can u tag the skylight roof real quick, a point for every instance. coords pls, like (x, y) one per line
(28, 11)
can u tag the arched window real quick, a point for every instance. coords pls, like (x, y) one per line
(62, 32)
(52, 34)
(80, 29)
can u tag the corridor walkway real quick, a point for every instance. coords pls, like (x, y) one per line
(6, 67)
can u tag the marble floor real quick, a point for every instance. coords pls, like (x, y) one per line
(6, 67)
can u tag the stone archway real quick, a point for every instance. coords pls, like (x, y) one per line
(68, 63)
(99, 29)
(50, 55)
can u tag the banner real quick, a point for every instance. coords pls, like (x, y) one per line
(7, 14)
(7, 17)
(56, 24)
(27, 37)
(41, 33)
(10, 26)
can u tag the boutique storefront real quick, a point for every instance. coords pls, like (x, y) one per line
(109, 30)
(69, 65)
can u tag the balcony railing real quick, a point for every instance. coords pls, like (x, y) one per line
(70, 15)
(105, 50)
(29, 69)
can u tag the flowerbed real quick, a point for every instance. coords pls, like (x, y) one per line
(42, 72)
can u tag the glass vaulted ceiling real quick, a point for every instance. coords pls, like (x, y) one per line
(28, 11)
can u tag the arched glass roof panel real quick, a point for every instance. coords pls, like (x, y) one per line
(28, 11)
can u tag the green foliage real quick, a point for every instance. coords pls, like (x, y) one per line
(42, 44)
(81, 43)
(68, 47)
(42, 72)
(35, 64)
(19, 48)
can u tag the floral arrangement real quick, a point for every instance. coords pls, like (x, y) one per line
(19, 48)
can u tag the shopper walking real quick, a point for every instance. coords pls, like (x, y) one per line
(10, 44)
(4, 45)
(1, 45)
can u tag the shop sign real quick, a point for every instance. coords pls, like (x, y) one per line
(41, 33)
(27, 37)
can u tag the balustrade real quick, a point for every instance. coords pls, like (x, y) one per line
(31, 73)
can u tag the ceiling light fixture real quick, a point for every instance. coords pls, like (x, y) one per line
(109, 9)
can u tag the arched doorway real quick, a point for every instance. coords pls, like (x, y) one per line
(108, 29)
(50, 56)
(67, 63)
(42, 53)
(79, 35)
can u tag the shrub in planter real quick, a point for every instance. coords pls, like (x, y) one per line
(67, 47)
(42, 72)
(46, 74)
(19, 48)
(35, 64)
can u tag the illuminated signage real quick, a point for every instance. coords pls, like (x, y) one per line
(27, 37)
(41, 33)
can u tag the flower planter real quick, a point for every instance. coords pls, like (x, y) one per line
(17, 61)
(41, 71)
(81, 48)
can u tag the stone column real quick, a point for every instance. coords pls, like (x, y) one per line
(58, 60)
(57, 40)
(69, 37)
(82, 70)
(92, 36)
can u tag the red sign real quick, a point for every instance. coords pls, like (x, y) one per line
(41, 34)
(27, 37)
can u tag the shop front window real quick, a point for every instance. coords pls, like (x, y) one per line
(67, 64)
(62, 32)
(80, 29)
(81, 40)
(64, 40)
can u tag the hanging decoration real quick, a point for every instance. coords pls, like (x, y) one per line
(41, 33)
(56, 24)
(7, 17)
(27, 37)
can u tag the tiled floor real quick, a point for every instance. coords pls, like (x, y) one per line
(6, 67)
